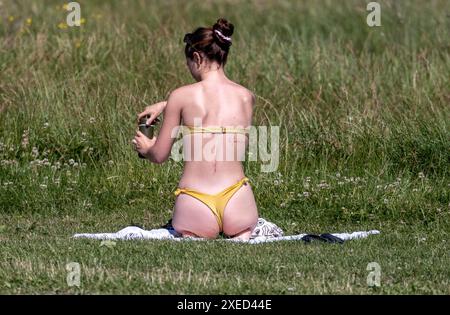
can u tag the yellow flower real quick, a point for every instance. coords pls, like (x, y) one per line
(65, 6)
(62, 25)
(29, 21)
(11, 18)
(80, 21)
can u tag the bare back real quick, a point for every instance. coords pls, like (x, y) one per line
(212, 103)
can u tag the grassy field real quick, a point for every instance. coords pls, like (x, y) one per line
(365, 144)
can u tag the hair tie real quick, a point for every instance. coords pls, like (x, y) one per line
(222, 36)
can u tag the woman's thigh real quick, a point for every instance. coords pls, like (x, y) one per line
(241, 212)
(192, 216)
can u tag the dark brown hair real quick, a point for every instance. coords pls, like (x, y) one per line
(214, 42)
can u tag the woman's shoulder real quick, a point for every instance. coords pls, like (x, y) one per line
(189, 91)
(181, 94)
(246, 94)
(184, 90)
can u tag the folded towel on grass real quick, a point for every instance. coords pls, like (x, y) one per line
(264, 231)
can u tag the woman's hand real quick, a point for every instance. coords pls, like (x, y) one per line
(153, 110)
(142, 143)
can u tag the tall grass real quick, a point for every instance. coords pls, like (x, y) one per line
(363, 112)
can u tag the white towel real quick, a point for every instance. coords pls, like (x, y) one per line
(272, 233)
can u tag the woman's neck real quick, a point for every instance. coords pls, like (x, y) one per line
(215, 73)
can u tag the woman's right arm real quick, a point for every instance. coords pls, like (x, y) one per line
(153, 111)
(160, 150)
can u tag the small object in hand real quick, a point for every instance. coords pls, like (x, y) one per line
(147, 130)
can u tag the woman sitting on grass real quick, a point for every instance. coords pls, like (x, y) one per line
(213, 194)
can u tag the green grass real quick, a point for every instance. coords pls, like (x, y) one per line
(34, 259)
(365, 144)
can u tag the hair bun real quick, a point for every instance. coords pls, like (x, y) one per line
(223, 30)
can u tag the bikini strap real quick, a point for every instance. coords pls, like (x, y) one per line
(239, 183)
(195, 129)
(178, 191)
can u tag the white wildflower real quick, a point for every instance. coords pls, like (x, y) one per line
(35, 152)
(25, 140)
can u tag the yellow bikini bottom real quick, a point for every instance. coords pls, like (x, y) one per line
(217, 202)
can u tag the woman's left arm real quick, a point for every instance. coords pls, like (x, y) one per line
(157, 150)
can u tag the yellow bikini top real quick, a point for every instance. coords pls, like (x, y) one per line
(194, 129)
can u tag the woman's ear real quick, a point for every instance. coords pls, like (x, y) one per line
(197, 59)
